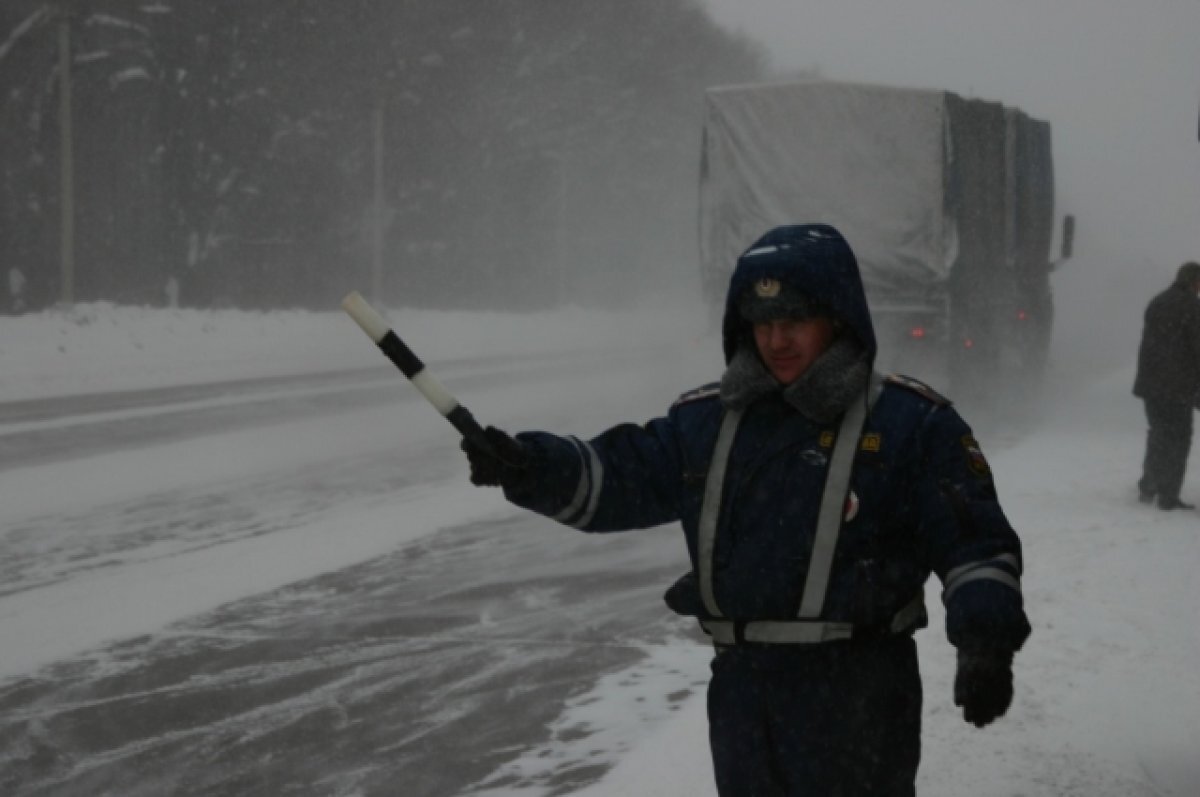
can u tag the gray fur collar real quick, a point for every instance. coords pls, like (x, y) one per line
(821, 394)
(745, 379)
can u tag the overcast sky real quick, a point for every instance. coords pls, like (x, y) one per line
(1119, 81)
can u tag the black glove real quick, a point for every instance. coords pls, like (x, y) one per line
(504, 465)
(683, 597)
(983, 685)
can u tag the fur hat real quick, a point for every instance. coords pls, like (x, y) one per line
(810, 258)
(769, 299)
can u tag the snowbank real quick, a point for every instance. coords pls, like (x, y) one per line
(100, 347)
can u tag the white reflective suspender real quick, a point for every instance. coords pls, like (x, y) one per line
(833, 502)
(710, 509)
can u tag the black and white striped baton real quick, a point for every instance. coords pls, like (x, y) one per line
(411, 366)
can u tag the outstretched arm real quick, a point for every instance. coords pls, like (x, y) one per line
(627, 477)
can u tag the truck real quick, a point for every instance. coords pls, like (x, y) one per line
(947, 202)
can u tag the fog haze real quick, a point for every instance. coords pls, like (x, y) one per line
(336, 601)
(529, 159)
(240, 554)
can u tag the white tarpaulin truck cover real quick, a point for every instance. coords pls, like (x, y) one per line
(870, 160)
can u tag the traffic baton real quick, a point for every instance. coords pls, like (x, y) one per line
(411, 366)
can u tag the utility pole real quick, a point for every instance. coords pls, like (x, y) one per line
(378, 213)
(559, 159)
(563, 267)
(66, 159)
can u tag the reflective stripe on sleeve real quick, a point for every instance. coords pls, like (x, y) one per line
(1003, 559)
(597, 471)
(585, 489)
(1004, 568)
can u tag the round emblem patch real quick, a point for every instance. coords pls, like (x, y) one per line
(767, 288)
(851, 507)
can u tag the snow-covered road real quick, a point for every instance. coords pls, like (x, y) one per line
(257, 590)
(300, 588)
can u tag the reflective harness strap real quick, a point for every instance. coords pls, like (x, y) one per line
(800, 632)
(710, 509)
(833, 501)
(832, 510)
(724, 632)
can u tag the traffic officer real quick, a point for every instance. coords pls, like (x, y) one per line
(815, 499)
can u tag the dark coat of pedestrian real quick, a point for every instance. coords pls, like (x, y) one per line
(1168, 382)
(815, 499)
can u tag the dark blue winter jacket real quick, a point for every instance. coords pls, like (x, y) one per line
(922, 496)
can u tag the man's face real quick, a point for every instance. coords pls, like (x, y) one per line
(788, 346)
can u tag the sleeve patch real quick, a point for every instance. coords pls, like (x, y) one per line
(975, 459)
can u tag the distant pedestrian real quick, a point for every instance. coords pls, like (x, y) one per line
(16, 290)
(1168, 382)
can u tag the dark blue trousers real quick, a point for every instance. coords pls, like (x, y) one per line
(1167, 445)
(840, 719)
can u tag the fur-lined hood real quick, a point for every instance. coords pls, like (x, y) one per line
(813, 258)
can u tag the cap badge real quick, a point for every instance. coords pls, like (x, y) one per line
(767, 288)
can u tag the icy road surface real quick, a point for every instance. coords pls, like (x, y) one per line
(288, 584)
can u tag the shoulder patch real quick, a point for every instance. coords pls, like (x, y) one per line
(916, 386)
(975, 459)
(711, 390)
